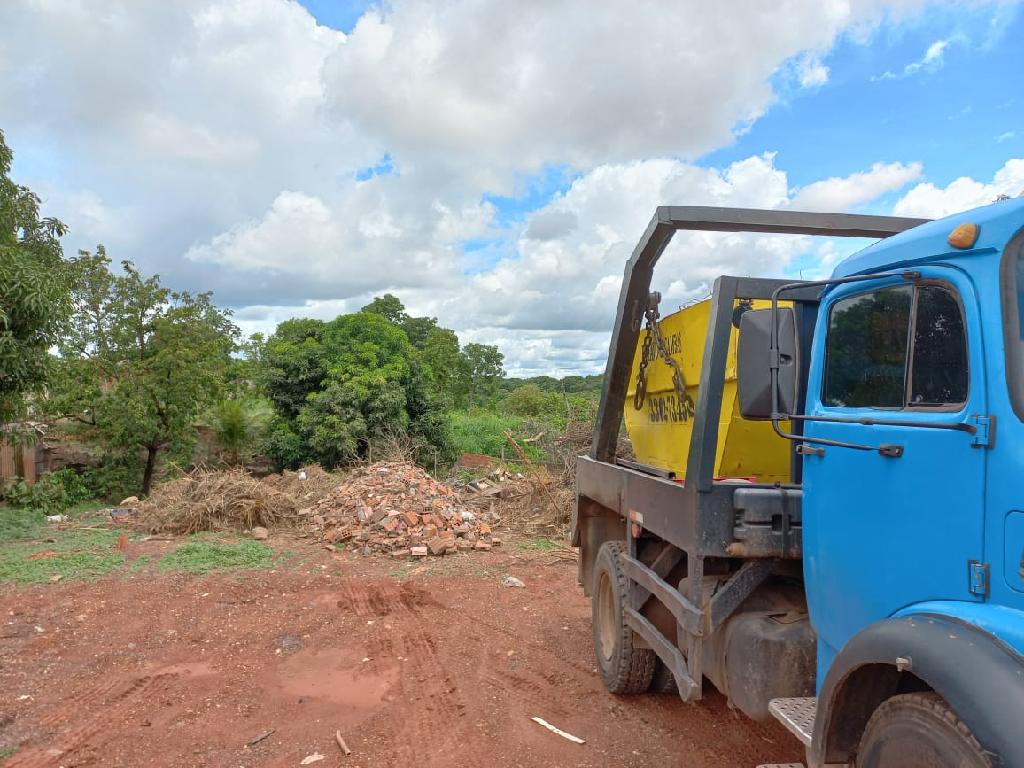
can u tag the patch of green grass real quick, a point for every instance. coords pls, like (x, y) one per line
(16, 565)
(71, 552)
(139, 563)
(204, 556)
(484, 432)
(20, 524)
(7, 752)
(539, 544)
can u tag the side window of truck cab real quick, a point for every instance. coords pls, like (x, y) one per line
(898, 347)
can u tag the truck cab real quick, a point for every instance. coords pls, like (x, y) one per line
(895, 548)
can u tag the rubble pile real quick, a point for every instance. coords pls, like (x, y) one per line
(396, 507)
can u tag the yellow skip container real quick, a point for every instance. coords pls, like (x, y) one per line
(660, 430)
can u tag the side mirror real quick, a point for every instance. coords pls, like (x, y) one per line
(753, 362)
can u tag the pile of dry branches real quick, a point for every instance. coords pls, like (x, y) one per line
(205, 500)
(306, 486)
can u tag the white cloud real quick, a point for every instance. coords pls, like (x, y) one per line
(811, 72)
(217, 142)
(932, 60)
(842, 194)
(493, 85)
(929, 201)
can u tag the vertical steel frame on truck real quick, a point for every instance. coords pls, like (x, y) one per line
(758, 524)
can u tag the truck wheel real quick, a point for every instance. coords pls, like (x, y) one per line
(663, 681)
(918, 730)
(625, 669)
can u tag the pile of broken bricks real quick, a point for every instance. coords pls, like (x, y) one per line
(398, 508)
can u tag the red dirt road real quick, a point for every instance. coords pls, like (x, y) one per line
(439, 667)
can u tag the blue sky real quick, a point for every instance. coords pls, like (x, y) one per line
(949, 115)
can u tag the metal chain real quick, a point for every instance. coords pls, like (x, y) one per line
(684, 401)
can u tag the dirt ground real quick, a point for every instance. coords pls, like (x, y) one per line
(433, 664)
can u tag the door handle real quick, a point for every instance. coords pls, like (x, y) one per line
(809, 450)
(892, 451)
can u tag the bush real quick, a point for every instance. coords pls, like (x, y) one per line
(484, 432)
(52, 494)
(531, 400)
(116, 478)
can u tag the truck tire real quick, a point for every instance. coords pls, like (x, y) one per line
(663, 681)
(918, 730)
(625, 669)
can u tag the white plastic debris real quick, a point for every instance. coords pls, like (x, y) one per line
(512, 581)
(559, 731)
(302, 475)
(316, 757)
(56, 518)
(467, 516)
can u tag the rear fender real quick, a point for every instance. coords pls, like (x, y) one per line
(592, 525)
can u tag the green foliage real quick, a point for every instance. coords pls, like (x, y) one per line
(239, 424)
(33, 290)
(485, 372)
(118, 477)
(338, 386)
(389, 307)
(587, 385)
(531, 400)
(484, 432)
(449, 370)
(202, 555)
(139, 362)
(53, 494)
(283, 445)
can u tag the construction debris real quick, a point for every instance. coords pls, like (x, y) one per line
(396, 507)
(341, 743)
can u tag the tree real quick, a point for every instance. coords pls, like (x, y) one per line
(448, 368)
(389, 307)
(139, 362)
(485, 371)
(33, 290)
(340, 385)
(531, 400)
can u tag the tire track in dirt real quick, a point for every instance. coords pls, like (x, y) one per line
(102, 719)
(382, 598)
(439, 732)
(532, 691)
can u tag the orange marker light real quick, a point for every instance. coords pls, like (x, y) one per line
(964, 236)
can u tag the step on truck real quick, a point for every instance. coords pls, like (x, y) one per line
(823, 512)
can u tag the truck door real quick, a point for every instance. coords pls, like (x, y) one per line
(881, 531)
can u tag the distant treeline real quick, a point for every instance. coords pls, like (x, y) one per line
(584, 385)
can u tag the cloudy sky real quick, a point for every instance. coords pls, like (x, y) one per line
(491, 162)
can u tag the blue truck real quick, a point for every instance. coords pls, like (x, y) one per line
(873, 600)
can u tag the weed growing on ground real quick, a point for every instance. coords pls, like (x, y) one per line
(76, 552)
(202, 555)
(539, 544)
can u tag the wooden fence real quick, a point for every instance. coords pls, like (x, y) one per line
(19, 461)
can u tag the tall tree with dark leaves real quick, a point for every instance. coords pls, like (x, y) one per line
(33, 290)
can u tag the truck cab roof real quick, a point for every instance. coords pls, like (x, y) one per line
(998, 223)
